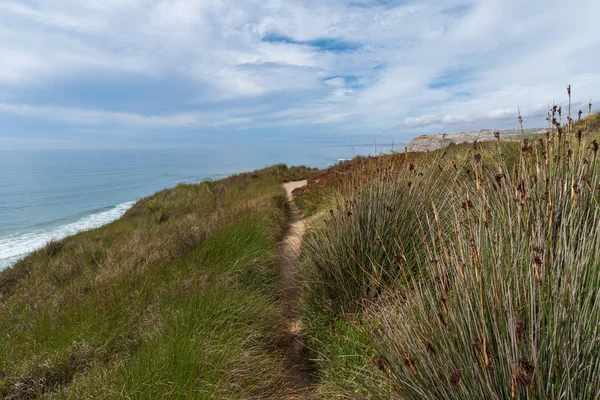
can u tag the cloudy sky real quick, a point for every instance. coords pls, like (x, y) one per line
(123, 73)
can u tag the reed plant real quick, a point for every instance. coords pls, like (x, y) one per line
(483, 283)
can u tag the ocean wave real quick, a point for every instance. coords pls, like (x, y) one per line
(17, 245)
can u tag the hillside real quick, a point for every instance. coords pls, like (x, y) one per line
(177, 299)
(465, 272)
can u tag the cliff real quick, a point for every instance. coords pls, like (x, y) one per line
(425, 143)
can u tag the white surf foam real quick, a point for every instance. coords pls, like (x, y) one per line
(15, 246)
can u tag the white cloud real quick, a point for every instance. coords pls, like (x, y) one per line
(502, 113)
(397, 68)
(336, 82)
(96, 117)
(93, 117)
(423, 120)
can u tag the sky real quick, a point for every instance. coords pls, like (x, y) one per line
(185, 73)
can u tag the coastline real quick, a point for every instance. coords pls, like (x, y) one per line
(427, 143)
(15, 246)
(72, 191)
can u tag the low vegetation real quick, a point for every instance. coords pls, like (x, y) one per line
(177, 299)
(471, 272)
(466, 273)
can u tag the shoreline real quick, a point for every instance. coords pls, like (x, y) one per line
(19, 245)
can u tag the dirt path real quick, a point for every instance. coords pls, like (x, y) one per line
(297, 368)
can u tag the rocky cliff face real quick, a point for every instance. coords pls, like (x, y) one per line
(426, 143)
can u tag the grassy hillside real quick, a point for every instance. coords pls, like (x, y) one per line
(467, 273)
(176, 299)
(471, 272)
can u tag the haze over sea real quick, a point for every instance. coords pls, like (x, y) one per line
(50, 194)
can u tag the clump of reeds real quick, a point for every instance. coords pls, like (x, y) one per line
(500, 297)
(370, 238)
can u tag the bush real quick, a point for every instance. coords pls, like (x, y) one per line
(498, 294)
(514, 311)
(369, 238)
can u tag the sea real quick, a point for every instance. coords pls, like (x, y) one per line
(50, 194)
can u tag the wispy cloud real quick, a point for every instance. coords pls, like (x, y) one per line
(393, 66)
(97, 117)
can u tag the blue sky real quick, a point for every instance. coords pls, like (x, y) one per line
(180, 73)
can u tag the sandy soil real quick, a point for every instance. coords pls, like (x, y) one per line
(297, 368)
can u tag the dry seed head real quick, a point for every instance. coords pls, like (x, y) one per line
(525, 372)
(466, 205)
(408, 362)
(442, 320)
(526, 146)
(444, 303)
(543, 144)
(431, 349)
(498, 178)
(537, 263)
(454, 379)
(546, 196)
(399, 257)
(520, 330)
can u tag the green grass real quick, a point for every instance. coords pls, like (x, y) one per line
(177, 299)
(468, 273)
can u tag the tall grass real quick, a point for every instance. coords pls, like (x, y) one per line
(357, 245)
(177, 299)
(484, 283)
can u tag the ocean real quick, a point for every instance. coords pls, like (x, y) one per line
(51, 194)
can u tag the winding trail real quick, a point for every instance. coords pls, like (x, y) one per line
(296, 363)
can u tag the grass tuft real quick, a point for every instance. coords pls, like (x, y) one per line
(177, 299)
(470, 272)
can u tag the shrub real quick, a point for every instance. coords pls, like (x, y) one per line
(513, 311)
(369, 237)
(499, 291)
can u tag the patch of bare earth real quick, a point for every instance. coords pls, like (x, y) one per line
(296, 363)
